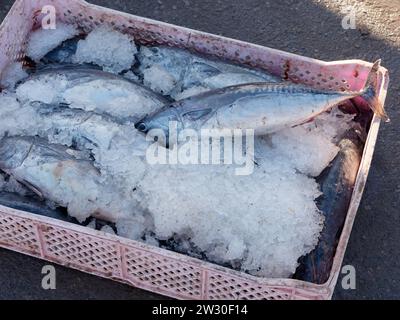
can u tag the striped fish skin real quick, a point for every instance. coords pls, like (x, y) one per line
(264, 107)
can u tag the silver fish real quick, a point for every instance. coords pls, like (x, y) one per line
(264, 107)
(60, 124)
(90, 89)
(216, 74)
(78, 128)
(62, 175)
(106, 138)
(189, 70)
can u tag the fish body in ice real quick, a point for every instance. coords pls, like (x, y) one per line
(29, 204)
(63, 53)
(82, 129)
(216, 74)
(337, 184)
(90, 89)
(113, 144)
(263, 107)
(62, 175)
(89, 130)
(186, 70)
(63, 125)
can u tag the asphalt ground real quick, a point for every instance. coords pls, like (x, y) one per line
(309, 27)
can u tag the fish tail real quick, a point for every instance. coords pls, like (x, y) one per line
(370, 95)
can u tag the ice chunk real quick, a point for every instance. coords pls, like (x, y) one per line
(107, 229)
(12, 74)
(92, 224)
(159, 80)
(171, 61)
(234, 251)
(132, 228)
(43, 41)
(110, 49)
(46, 90)
(311, 147)
(15, 120)
(304, 150)
(152, 241)
(131, 76)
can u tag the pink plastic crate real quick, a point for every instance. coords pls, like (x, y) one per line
(147, 267)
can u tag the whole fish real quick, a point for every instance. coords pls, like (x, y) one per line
(90, 89)
(337, 184)
(264, 107)
(62, 175)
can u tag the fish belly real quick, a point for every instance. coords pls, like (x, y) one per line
(270, 113)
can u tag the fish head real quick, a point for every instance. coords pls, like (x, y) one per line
(162, 120)
(13, 152)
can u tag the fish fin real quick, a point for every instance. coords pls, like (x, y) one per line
(33, 188)
(369, 93)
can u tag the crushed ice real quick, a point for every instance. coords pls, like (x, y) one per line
(260, 223)
(114, 51)
(43, 41)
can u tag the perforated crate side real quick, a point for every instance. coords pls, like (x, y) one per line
(226, 286)
(18, 233)
(158, 273)
(82, 251)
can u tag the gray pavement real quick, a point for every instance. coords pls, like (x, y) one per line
(309, 27)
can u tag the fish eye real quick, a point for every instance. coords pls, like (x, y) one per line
(141, 126)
